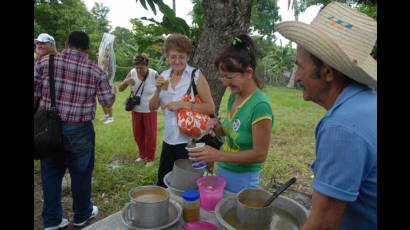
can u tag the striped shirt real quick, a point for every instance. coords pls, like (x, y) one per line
(78, 81)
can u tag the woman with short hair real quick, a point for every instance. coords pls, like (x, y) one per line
(144, 122)
(177, 80)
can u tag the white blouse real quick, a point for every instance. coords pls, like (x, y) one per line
(172, 134)
(149, 89)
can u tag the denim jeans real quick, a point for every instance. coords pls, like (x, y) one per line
(78, 158)
(236, 181)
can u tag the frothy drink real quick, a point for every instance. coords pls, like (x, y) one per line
(165, 85)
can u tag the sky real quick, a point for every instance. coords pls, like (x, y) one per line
(121, 11)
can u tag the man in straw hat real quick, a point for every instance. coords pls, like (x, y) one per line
(336, 71)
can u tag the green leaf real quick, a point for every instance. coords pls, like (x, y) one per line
(152, 5)
(236, 41)
(166, 10)
(143, 3)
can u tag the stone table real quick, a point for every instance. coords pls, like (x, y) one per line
(114, 222)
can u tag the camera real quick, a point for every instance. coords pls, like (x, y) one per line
(131, 102)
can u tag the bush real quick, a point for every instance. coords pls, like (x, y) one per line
(121, 72)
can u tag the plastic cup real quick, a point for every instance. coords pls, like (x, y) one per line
(194, 163)
(211, 191)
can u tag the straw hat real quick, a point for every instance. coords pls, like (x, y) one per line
(341, 37)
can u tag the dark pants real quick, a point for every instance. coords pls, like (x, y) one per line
(78, 158)
(169, 154)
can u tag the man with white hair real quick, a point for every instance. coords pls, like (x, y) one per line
(78, 83)
(336, 71)
(45, 44)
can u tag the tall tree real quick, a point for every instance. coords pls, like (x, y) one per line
(124, 46)
(100, 12)
(223, 20)
(60, 17)
(294, 4)
(263, 17)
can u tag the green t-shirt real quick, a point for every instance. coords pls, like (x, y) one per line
(238, 128)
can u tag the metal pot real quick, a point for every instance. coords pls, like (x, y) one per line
(250, 211)
(149, 206)
(184, 176)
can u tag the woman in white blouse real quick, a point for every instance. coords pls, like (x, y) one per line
(178, 78)
(144, 121)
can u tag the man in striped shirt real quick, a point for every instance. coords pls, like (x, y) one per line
(78, 82)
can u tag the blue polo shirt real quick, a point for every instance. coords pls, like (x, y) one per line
(345, 167)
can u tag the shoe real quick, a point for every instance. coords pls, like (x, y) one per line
(109, 120)
(139, 159)
(104, 118)
(149, 164)
(93, 214)
(64, 222)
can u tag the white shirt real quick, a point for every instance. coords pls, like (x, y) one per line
(172, 134)
(149, 90)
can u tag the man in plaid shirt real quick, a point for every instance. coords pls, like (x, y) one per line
(78, 82)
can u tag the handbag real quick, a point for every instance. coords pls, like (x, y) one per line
(134, 100)
(213, 141)
(193, 123)
(48, 139)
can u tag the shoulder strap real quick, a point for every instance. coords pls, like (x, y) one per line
(142, 82)
(192, 85)
(51, 82)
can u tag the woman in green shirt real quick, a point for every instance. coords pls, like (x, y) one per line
(249, 119)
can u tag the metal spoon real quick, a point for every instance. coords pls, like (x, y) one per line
(279, 191)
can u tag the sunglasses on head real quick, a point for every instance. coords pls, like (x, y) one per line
(139, 59)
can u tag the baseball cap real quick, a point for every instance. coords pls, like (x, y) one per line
(44, 38)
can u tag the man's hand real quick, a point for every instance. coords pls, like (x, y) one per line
(326, 213)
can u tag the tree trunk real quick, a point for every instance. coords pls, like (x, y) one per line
(223, 20)
(291, 83)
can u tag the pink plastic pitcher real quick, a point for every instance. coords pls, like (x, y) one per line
(211, 191)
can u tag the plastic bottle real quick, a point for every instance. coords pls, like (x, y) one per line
(190, 205)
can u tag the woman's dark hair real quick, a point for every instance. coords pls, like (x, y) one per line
(78, 40)
(140, 58)
(240, 54)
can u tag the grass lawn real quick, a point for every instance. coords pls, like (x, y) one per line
(291, 152)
